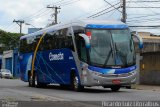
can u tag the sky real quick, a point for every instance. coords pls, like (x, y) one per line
(35, 13)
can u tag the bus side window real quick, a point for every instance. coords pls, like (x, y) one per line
(23, 44)
(47, 42)
(67, 41)
(81, 48)
(83, 51)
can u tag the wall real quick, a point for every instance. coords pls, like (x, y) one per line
(148, 60)
(150, 68)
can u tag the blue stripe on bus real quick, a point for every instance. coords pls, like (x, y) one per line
(114, 71)
(93, 26)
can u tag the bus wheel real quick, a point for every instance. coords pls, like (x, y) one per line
(31, 82)
(115, 88)
(36, 80)
(75, 84)
(129, 87)
(37, 83)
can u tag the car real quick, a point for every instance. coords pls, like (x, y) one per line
(5, 73)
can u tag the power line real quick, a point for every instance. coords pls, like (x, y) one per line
(43, 11)
(150, 8)
(144, 16)
(112, 6)
(14, 27)
(111, 14)
(129, 2)
(142, 7)
(40, 15)
(39, 12)
(64, 3)
(105, 13)
(143, 1)
(34, 14)
(87, 14)
(68, 3)
(102, 10)
(58, 1)
(144, 20)
(7, 27)
(91, 12)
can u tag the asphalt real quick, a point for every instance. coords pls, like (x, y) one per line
(146, 87)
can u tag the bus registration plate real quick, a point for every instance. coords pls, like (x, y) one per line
(116, 81)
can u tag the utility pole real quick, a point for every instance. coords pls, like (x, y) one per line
(55, 14)
(19, 22)
(124, 11)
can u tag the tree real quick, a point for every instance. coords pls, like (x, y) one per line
(8, 40)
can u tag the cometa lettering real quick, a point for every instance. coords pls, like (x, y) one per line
(54, 57)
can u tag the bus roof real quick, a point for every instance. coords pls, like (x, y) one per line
(84, 23)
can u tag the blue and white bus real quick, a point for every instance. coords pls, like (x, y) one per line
(81, 53)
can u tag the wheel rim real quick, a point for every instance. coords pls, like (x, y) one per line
(35, 80)
(75, 82)
(30, 80)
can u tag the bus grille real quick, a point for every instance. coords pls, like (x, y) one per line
(116, 75)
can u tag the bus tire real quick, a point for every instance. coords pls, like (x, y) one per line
(129, 87)
(75, 83)
(31, 82)
(37, 83)
(36, 80)
(115, 88)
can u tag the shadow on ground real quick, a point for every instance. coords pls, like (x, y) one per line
(86, 89)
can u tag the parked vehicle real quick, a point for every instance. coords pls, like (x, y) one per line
(5, 73)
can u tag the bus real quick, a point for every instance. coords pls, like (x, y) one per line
(79, 54)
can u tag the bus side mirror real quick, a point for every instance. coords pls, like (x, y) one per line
(86, 39)
(139, 39)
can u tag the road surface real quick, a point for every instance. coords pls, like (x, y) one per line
(17, 90)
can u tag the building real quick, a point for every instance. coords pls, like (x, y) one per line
(32, 30)
(148, 59)
(10, 62)
(0, 61)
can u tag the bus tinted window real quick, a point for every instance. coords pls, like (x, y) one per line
(57, 40)
(78, 29)
(29, 44)
(23, 44)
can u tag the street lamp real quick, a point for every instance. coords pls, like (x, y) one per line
(30, 25)
(34, 29)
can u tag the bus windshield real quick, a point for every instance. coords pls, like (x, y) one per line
(111, 48)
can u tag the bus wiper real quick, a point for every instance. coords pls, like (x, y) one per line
(120, 54)
(130, 45)
(111, 49)
(107, 59)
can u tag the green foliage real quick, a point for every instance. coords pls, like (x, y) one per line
(8, 40)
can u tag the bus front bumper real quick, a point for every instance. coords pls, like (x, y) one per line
(96, 79)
